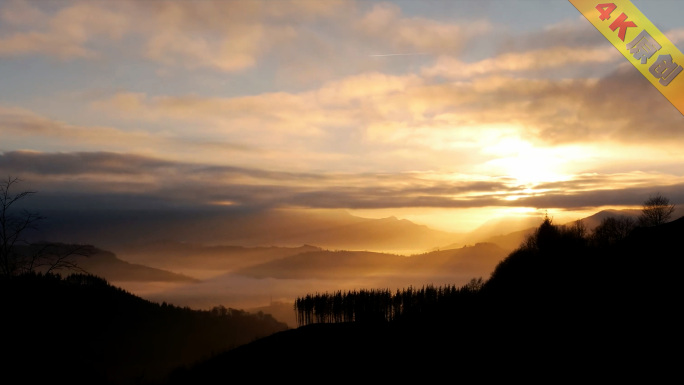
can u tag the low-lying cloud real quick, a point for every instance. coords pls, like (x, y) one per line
(197, 184)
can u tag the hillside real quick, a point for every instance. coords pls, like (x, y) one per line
(282, 280)
(95, 261)
(82, 330)
(107, 265)
(478, 260)
(205, 261)
(562, 307)
(499, 232)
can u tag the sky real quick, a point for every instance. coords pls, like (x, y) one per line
(446, 113)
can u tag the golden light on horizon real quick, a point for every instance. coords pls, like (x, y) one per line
(224, 203)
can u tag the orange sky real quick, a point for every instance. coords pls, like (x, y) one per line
(444, 113)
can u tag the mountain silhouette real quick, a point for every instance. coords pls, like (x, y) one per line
(102, 263)
(205, 261)
(560, 306)
(477, 260)
(330, 229)
(80, 329)
(107, 265)
(557, 307)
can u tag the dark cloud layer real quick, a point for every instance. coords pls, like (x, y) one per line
(630, 196)
(126, 181)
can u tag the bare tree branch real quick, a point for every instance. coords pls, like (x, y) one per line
(656, 211)
(16, 254)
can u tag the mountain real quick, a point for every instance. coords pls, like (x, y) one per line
(594, 220)
(508, 241)
(82, 330)
(386, 234)
(204, 261)
(329, 229)
(326, 265)
(476, 261)
(560, 307)
(107, 265)
(498, 231)
(283, 280)
(282, 311)
(499, 227)
(511, 241)
(101, 263)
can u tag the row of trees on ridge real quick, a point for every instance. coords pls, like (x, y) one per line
(548, 239)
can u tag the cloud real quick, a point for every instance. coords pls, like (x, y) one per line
(67, 34)
(19, 12)
(628, 196)
(222, 35)
(575, 33)
(622, 107)
(79, 163)
(676, 36)
(450, 114)
(23, 129)
(353, 90)
(625, 107)
(226, 36)
(97, 173)
(270, 120)
(384, 22)
(369, 118)
(541, 59)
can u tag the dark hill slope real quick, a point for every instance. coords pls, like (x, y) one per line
(107, 265)
(81, 330)
(559, 310)
(95, 261)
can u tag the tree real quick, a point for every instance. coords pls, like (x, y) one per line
(17, 255)
(12, 226)
(612, 230)
(656, 210)
(549, 237)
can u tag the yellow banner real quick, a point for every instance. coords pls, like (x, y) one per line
(641, 43)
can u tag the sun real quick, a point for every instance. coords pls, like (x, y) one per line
(530, 168)
(527, 165)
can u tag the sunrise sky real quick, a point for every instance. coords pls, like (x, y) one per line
(446, 113)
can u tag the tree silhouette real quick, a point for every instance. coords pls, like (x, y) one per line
(612, 230)
(12, 227)
(549, 236)
(656, 211)
(17, 255)
(381, 305)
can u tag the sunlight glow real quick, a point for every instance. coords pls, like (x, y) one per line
(529, 165)
(224, 203)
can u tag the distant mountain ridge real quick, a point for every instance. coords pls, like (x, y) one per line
(476, 261)
(327, 229)
(203, 261)
(107, 265)
(562, 305)
(104, 264)
(559, 307)
(330, 229)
